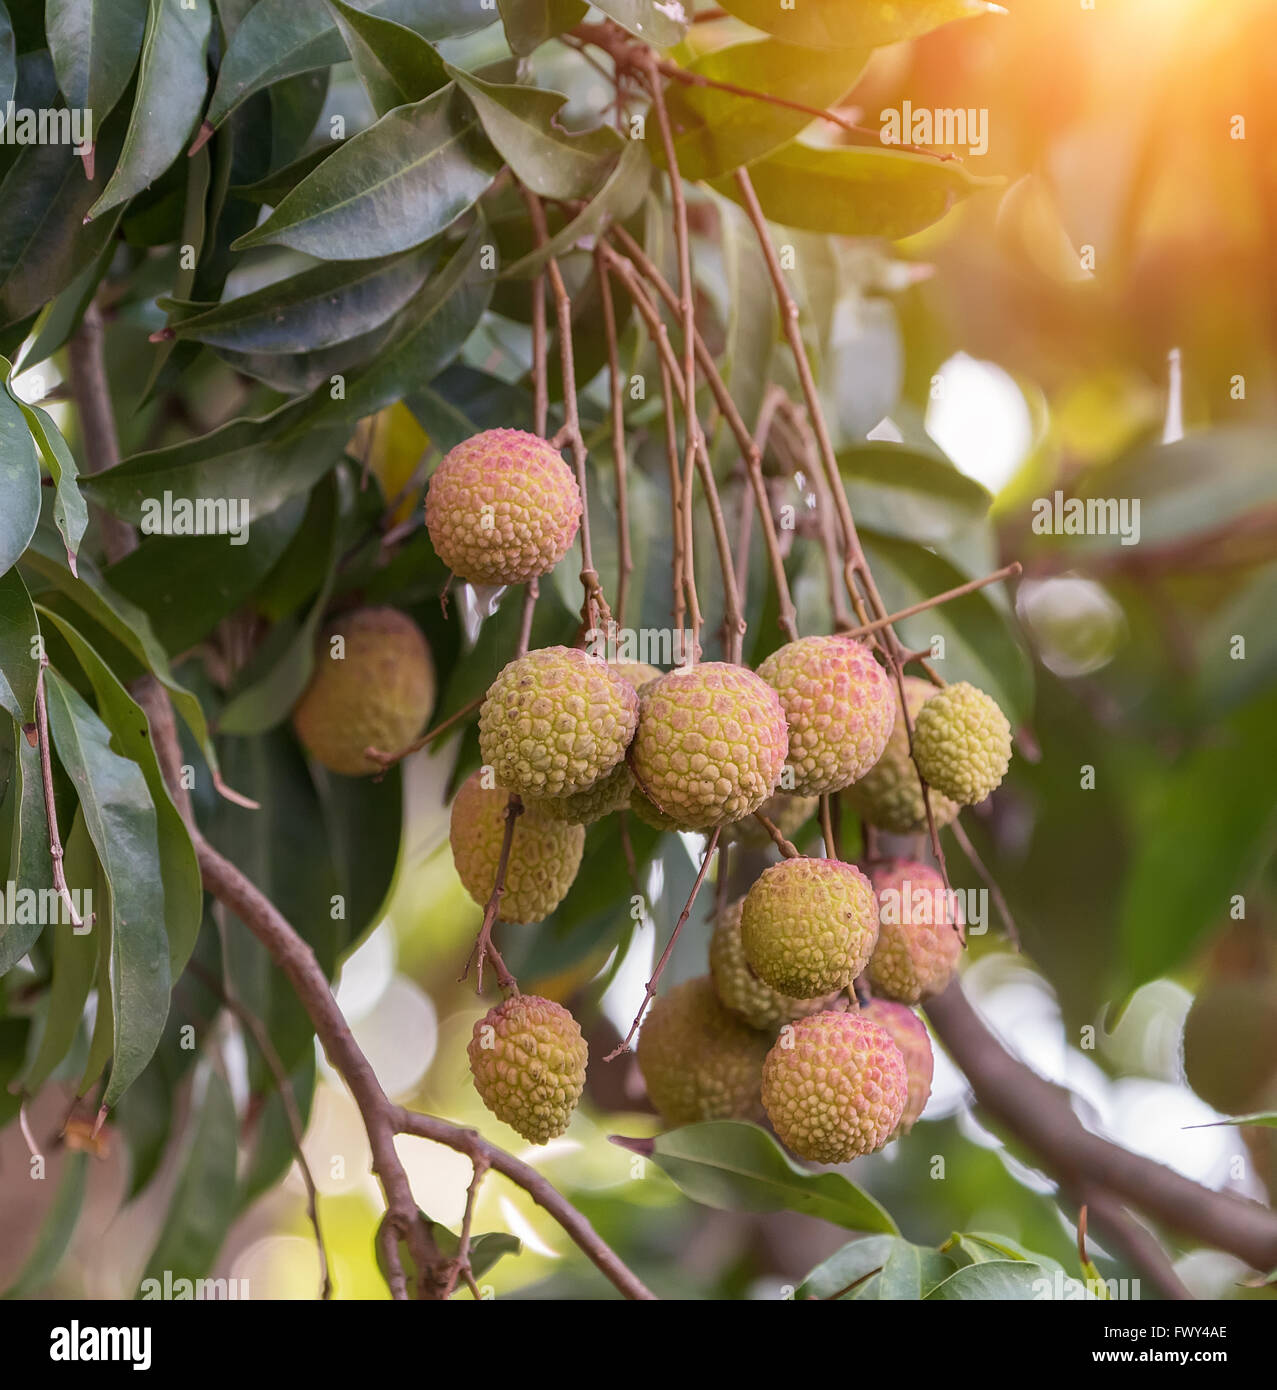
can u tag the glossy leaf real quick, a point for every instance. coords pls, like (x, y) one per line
(30, 865)
(738, 1167)
(877, 1267)
(856, 190)
(19, 481)
(121, 821)
(395, 64)
(654, 21)
(906, 493)
(95, 46)
(389, 188)
(19, 664)
(530, 23)
(70, 511)
(200, 1213)
(281, 37)
(994, 1280)
(522, 122)
(851, 23)
(179, 869)
(171, 84)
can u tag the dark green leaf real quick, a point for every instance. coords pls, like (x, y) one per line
(522, 122)
(204, 1202)
(58, 1228)
(738, 1167)
(856, 190)
(903, 492)
(462, 401)
(70, 511)
(170, 95)
(529, 23)
(19, 480)
(853, 23)
(30, 865)
(121, 820)
(94, 44)
(395, 64)
(389, 188)
(273, 1146)
(19, 653)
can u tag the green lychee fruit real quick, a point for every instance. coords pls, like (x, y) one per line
(788, 813)
(834, 1087)
(556, 721)
(889, 795)
(502, 508)
(809, 926)
(544, 853)
(699, 1061)
(962, 743)
(608, 794)
(710, 746)
(1230, 1045)
(740, 989)
(919, 945)
(910, 1035)
(839, 705)
(528, 1059)
(373, 686)
(638, 673)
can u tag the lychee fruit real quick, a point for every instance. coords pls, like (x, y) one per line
(544, 853)
(910, 1035)
(528, 1059)
(840, 706)
(710, 746)
(962, 743)
(555, 721)
(889, 795)
(502, 508)
(919, 945)
(699, 1061)
(834, 1087)
(373, 686)
(788, 813)
(808, 926)
(739, 988)
(1230, 1045)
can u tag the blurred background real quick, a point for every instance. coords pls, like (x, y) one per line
(1102, 323)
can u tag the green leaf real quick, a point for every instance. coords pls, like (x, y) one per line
(522, 122)
(19, 480)
(980, 646)
(19, 665)
(616, 200)
(95, 44)
(853, 1263)
(485, 1249)
(718, 131)
(30, 864)
(395, 64)
(852, 23)
(328, 304)
(994, 1280)
(906, 493)
(856, 190)
(121, 821)
(389, 188)
(56, 1232)
(739, 1167)
(530, 23)
(428, 333)
(200, 1213)
(281, 37)
(70, 511)
(649, 20)
(75, 954)
(1266, 1119)
(179, 868)
(171, 83)
(1213, 801)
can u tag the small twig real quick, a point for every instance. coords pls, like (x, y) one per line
(540, 383)
(461, 1264)
(531, 591)
(24, 1124)
(649, 992)
(685, 595)
(484, 947)
(827, 827)
(782, 844)
(50, 808)
(978, 864)
(970, 587)
(388, 760)
(616, 405)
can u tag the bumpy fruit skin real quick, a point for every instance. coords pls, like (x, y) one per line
(699, 1061)
(638, 673)
(710, 746)
(528, 1059)
(608, 794)
(918, 946)
(889, 795)
(379, 694)
(962, 742)
(555, 721)
(839, 705)
(544, 853)
(788, 813)
(909, 1033)
(740, 989)
(502, 508)
(834, 1087)
(808, 926)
